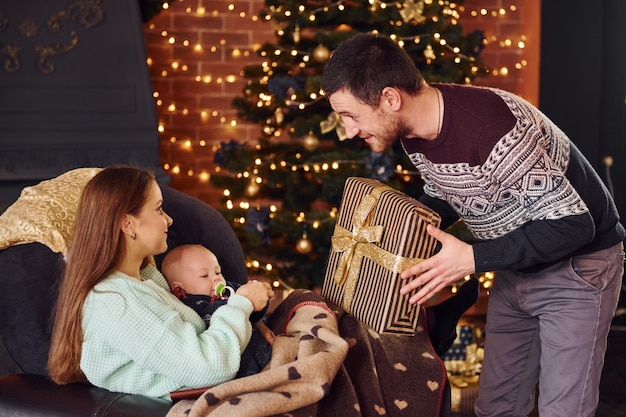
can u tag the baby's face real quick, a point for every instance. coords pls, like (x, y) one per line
(203, 274)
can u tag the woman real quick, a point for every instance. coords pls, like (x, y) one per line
(117, 325)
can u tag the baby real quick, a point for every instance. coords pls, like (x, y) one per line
(194, 276)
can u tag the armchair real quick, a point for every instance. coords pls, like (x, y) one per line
(402, 373)
(29, 273)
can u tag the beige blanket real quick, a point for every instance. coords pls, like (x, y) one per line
(326, 363)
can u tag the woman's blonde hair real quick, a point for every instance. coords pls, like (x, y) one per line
(97, 247)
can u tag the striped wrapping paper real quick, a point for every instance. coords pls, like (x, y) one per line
(379, 233)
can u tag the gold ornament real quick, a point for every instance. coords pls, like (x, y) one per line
(321, 53)
(310, 142)
(344, 28)
(252, 190)
(304, 245)
(279, 116)
(296, 35)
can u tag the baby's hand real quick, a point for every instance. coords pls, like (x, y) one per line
(257, 292)
(266, 332)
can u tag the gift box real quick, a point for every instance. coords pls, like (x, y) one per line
(463, 362)
(464, 377)
(379, 233)
(462, 399)
(465, 337)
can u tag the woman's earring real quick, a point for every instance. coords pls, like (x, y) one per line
(133, 236)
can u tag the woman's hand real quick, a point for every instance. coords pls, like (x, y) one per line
(454, 261)
(257, 292)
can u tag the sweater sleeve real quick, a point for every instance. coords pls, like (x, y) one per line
(535, 244)
(138, 338)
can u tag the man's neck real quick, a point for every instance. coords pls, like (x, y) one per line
(424, 112)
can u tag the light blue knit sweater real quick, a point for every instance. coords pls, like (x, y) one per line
(140, 339)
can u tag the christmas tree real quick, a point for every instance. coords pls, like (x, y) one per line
(282, 193)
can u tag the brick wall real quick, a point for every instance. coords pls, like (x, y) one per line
(196, 50)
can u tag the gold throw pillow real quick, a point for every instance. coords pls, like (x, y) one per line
(45, 212)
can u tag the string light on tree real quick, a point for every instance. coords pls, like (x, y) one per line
(509, 43)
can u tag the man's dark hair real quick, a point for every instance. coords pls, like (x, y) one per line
(367, 63)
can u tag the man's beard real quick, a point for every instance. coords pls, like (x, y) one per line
(392, 130)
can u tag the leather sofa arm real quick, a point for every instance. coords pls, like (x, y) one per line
(37, 396)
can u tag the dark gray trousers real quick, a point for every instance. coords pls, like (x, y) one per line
(549, 329)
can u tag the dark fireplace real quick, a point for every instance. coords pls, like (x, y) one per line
(75, 90)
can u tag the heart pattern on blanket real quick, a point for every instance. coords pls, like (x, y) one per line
(401, 404)
(433, 385)
(211, 399)
(399, 366)
(293, 373)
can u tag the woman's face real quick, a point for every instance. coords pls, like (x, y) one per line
(152, 222)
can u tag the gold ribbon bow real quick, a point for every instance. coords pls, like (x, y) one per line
(413, 11)
(354, 245)
(333, 121)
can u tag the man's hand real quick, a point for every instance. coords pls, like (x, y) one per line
(454, 261)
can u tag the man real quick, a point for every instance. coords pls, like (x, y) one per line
(544, 220)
